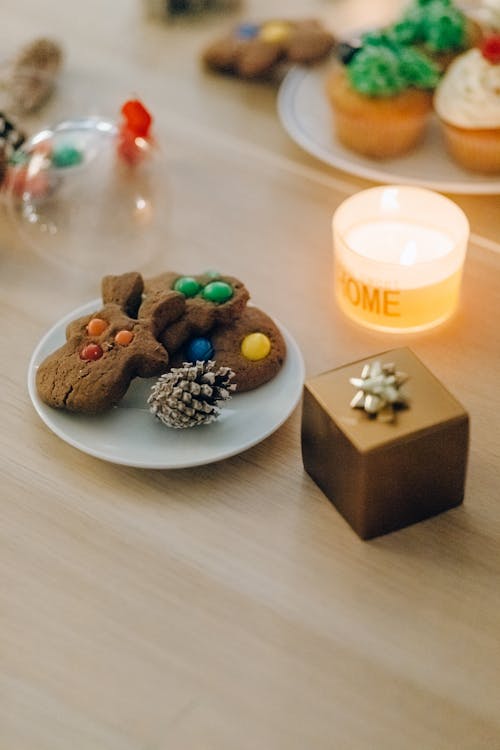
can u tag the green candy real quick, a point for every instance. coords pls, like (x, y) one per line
(66, 156)
(187, 285)
(217, 291)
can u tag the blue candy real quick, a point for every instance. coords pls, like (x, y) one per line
(247, 31)
(199, 349)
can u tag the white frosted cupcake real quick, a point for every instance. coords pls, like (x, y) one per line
(488, 16)
(467, 102)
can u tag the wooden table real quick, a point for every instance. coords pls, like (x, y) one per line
(230, 606)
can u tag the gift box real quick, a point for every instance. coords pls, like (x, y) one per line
(385, 441)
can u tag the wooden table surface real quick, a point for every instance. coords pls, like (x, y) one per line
(230, 606)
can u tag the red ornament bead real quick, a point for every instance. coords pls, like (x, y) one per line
(91, 352)
(137, 117)
(490, 49)
(130, 148)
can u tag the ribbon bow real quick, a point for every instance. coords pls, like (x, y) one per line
(379, 391)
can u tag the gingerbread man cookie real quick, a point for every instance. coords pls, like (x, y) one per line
(252, 346)
(104, 351)
(253, 50)
(211, 299)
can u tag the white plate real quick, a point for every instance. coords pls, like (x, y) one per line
(305, 114)
(130, 435)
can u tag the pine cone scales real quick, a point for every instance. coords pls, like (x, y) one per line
(33, 75)
(190, 395)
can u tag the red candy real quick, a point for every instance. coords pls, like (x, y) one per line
(137, 118)
(490, 49)
(91, 352)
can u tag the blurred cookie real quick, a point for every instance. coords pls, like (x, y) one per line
(252, 346)
(254, 50)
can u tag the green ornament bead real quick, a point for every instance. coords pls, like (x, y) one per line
(188, 286)
(217, 291)
(212, 274)
(66, 156)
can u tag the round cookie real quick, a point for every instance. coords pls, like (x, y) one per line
(211, 299)
(254, 50)
(104, 351)
(252, 346)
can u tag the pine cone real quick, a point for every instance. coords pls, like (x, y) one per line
(11, 138)
(34, 73)
(190, 395)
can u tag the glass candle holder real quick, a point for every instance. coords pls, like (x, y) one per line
(399, 254)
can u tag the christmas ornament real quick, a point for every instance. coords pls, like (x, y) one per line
(134, 139)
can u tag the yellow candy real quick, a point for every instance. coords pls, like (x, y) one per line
(255, 346)
(275, 32)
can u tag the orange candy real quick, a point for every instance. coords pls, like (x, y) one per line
(96, 326)
(124, 337)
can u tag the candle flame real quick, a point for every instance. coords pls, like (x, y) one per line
(389, 200)
(408, 254)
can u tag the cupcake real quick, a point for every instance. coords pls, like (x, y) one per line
(467, 102)
(381, 98)
(437, 27)
(487, 15)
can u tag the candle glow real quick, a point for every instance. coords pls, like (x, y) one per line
(399, 253)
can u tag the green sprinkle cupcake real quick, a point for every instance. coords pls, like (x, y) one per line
(382, 98)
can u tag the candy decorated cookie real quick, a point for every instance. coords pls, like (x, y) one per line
(104, 351)
(251, 346)
(253, 50)
(210, 299)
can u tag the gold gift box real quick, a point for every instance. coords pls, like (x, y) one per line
(382, 476)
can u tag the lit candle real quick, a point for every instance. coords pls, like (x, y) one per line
(399, 254)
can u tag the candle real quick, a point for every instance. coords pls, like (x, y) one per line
(399, 254)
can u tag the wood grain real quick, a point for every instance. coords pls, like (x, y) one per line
(230, 606)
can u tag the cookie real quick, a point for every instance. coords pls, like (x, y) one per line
(254, 50)
(211, 299)
(105, 350)
(252, 346)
